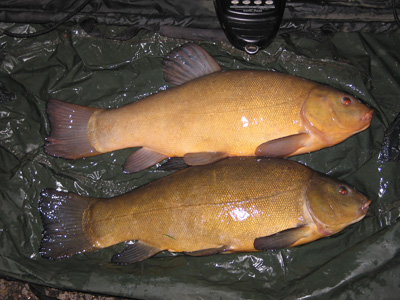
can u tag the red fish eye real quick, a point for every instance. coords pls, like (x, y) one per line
(346, 101)
(343, 190)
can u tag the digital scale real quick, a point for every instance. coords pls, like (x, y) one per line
(250, 25)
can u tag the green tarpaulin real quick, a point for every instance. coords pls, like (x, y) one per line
(361, 262)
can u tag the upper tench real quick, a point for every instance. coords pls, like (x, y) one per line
(234, 205)
(212, 114)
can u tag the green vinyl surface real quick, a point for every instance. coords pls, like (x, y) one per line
(361, 262)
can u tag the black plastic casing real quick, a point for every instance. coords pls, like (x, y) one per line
(250, 25)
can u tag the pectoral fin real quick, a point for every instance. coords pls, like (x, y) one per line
(142, 159)
(282, 239)
(134, 253)
(203, 158)
(209, 251)
(283, 146)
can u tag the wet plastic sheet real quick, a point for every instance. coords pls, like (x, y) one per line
(316, 19)
(360, 262)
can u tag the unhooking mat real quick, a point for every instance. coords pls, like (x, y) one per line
(360, 262)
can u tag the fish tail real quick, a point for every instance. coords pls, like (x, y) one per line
(69, 133)
(63, 233)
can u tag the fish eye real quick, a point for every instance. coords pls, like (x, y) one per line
(343, 191)
(346, 100)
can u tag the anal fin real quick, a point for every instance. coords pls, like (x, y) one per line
(142, 159)
(203, 158)
(284, 146)
(135, 252)
(282, 239)
(209, 251)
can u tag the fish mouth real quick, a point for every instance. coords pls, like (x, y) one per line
(366, 205)
(364, 208)
(367, 116)
(362, 211)
(365, 120)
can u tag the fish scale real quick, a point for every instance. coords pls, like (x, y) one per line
(211, 116)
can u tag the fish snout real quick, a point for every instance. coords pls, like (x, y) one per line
(364, 207)
(367, 116)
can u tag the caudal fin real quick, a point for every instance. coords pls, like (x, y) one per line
(69, 136)
(63, 234)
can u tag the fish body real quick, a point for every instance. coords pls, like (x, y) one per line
(234, 205)
(210, 115)
(220, 112)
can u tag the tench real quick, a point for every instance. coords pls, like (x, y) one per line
(234, 205)
(210, 115)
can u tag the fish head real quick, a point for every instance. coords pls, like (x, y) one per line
(334, 114)
(334, 205)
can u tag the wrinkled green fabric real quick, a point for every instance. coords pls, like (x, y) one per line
(360, 262)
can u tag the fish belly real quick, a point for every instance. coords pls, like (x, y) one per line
(232, 112)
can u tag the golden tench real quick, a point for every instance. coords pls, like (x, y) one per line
(234, 205)
(210, 115)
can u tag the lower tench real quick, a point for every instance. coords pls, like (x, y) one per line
(210, 115)
(234, 205)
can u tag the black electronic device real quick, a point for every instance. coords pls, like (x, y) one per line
(250, 25)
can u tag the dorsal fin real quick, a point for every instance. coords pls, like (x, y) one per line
(188, 62)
